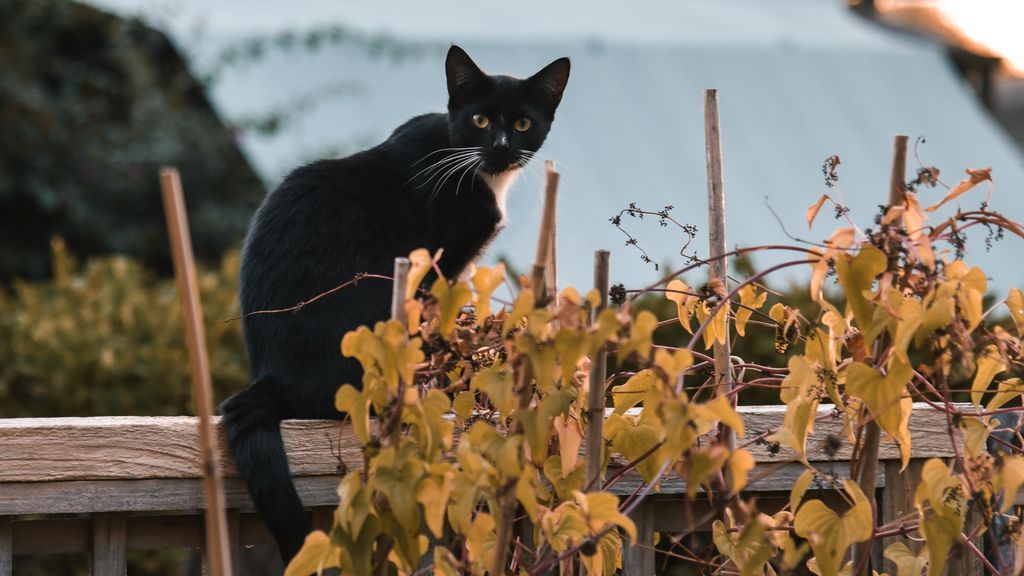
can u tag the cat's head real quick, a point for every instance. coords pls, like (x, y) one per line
(506, 118)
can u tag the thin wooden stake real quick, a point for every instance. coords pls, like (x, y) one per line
(218, 550)
(867, 460)
(551, 270)
(538, 281)
(596, 394)
(401, 277)
(716, 240)
(507, 493)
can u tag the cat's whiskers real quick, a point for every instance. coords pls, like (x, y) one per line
(479, 162)
(439, 150)
(441, 181)
(437, 167)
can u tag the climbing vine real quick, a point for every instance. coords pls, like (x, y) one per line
(472, 416)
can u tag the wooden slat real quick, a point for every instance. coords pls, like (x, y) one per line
(133, 447)
(109, 545)
(86, 496)
(638, 558)
(6, 546)
(127, 448)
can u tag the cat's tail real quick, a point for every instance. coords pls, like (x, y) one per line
(252, 418)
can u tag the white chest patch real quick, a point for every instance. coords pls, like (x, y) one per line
(499, 184)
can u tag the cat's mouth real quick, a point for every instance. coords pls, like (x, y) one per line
(496, 164)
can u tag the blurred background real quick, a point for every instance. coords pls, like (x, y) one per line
(96, 96)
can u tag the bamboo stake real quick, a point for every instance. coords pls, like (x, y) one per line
(596, 394)
(551, 272)
(398, 289)
(218, 556)
(867, 461)
(716, 240)
(507, 493)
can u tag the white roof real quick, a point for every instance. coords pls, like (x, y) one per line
(799, 80)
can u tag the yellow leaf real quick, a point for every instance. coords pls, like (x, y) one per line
(420, 263)
(831, 535)
(971, 285)
(627, 395)
(989, 364)
(911, 315)
(974, 177)
(740, 464)
(414, 314)
(569, 439)
(526, 492)
(720, 409)
(913, 221)
(856, 276)
(943, 523)
(357, 406)
(451, 299)
(883, 396)
(571, 346)
(564, 484)
(522, 307)
(496, 382)
(673, 363)
(812, 212)
(433, 493)
(799, 489)
(486, 280)
(801, 391)
(601, 508)
(701, 465)
(632, 438)
(1008, 390)
(640, 334)
(316, 554)
(678, 292)
(1011, 476)
(907, 563)
(749, 299)
(1015, 302)
(976, 433)
(480, 540)
(463, 405)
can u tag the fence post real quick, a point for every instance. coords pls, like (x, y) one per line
(6, 546)
(109, 544)
(218, 558)
(639, 558)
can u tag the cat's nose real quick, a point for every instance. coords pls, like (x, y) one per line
(500, 141)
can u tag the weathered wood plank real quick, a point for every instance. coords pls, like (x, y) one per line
(109, 545)
(155, 495)
(128, 448)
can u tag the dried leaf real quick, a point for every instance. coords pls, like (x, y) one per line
(974, 177)
(812, 212)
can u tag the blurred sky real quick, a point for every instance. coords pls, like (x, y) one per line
(799, 81)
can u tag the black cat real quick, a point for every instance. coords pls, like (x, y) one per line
(439, 181)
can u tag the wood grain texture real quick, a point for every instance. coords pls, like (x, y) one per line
(109, 545)
(166, 447)
(6, 546)
(638, 557)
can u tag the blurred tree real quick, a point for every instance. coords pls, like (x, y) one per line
(91, 106)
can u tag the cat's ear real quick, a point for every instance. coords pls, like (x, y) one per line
(549, 83)
(464, 76)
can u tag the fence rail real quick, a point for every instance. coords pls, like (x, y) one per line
(139, 480)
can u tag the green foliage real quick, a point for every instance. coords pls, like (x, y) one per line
(105, 338)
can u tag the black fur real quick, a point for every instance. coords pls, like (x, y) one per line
(333, 219)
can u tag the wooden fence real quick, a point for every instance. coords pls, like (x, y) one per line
(135, 483)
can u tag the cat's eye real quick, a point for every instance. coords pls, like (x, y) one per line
(481, 121)
(522, 124)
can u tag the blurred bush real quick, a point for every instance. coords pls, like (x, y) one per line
(91, 106)
(105, 338)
